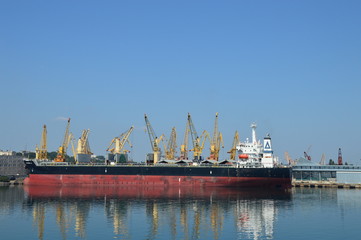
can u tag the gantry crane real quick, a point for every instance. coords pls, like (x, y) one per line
(184, 146)
(71, 141)
(233, 150)
(83, 143)
(216, 141)
(170, 148)
(42, 152)
(63, 148)
(154, 140)
(117, 144)
(198, 142)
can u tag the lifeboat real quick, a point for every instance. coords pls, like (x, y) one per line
(243, 156)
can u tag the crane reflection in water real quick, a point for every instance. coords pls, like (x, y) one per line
(154, 212)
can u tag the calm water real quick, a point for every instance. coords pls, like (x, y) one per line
(154, 213)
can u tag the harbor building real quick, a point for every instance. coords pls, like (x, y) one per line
(307, 173)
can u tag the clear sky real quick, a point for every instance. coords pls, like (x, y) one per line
(293, 67)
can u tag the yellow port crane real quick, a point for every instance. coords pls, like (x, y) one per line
(42, 152)
(63, 148)
(198, 142)
(170, 148)
(216, 141)
(233, 150)
(117, 144)
(154, 140)
(184, 146)
(83, 143)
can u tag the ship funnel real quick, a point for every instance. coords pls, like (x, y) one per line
(267, 145)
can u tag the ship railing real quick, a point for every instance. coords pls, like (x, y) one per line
(203, 165)
(156, 165)
(110, 165)
(48, 163)
(258, 165)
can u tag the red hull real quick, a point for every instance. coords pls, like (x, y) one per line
(131, 192)
(142, 180)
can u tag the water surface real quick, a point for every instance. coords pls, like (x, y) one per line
(178, 213)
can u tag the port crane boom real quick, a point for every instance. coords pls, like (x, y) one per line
(71, 141)
(154, 140)
(306, 154)
(83, 143)
(323, 158)
(233, 150)
(184, 146)
(289, 159)
(63, 148)
(117, 144)
(170, 148)
(42, 152)
(198, 142)
(216, 141)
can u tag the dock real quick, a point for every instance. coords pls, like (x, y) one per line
(326, 176)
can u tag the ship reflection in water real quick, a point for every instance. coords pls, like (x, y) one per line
(155, 213)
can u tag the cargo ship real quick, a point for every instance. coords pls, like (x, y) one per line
(253, 166)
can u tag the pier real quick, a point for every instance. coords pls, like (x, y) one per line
(326, 176)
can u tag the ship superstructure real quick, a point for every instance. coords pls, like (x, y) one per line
(255, 154)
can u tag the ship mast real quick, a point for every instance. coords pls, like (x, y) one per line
(254, 138)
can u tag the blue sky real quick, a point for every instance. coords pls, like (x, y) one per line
(293, 67)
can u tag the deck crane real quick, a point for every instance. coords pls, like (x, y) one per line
(63, 148)
(184, 146)
(198, 142)
(171, 148)
(154, 140)
(83, 143)
(233, 150)
(71, 141)
(42, 152)
(117, 144)
(216, 141)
